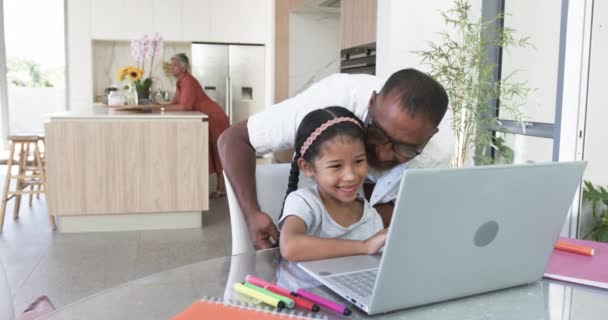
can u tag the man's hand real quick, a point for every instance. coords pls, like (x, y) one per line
(261, 230)
(238, 158)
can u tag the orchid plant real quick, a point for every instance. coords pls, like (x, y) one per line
(143, 49)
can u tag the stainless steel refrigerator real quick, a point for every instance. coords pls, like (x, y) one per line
(233, 76)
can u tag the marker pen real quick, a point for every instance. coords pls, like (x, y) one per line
(299, 301)
(240, 288)
(333, 306)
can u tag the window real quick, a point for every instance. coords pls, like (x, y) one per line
(34, 79)
(538, 139)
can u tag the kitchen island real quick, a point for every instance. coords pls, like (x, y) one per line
(109, 170)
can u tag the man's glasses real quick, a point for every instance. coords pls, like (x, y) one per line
(377, 136)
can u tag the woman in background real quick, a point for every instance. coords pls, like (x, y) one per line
(189, 95)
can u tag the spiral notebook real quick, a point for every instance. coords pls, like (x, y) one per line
(217, 309)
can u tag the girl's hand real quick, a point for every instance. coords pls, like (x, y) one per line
(375, 242)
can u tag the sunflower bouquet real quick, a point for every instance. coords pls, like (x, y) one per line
(132, 73)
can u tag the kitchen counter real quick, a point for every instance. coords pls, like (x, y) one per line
(110, 170)
(100, 113)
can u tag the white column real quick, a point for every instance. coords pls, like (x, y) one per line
(3, 84)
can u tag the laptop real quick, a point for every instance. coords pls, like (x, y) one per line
(459, 232)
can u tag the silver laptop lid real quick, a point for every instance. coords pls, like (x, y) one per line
(458, 232)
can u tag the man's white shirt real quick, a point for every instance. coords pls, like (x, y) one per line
(275, 128)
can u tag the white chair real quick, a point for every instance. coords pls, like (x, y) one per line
(271, 184)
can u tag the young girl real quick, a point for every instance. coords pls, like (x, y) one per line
(329, 219)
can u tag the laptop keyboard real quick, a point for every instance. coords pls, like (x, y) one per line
(361, 283)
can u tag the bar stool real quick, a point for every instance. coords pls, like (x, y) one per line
(30, 174)
(35, 167)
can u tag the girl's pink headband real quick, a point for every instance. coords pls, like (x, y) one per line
(322, 128)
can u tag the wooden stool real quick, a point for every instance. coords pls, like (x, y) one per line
(34, 165)
(30, 174)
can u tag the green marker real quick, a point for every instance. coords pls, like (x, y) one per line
(252, 293)
(288, 302)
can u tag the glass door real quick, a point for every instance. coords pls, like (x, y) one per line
(538, 137)
(539, 67)
(33, 81)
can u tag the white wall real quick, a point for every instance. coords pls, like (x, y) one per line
(314, 48)
(3, 89)
(408, 26)
(29, 107)
(227, 21)
(79, 55)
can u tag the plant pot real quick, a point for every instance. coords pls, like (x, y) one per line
(143, 95)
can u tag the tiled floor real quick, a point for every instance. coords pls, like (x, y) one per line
(68, 267)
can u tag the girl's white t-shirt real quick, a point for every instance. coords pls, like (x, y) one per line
(306, 204)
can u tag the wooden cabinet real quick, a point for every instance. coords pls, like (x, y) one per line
(357, 22)
(100, 163)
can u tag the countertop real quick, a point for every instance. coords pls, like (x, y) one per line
(100, 113)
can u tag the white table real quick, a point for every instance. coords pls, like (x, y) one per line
(165, 294)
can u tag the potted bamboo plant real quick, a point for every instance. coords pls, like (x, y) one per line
(461, 63)
(598, 197)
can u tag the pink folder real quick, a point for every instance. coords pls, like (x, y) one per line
(577, 268)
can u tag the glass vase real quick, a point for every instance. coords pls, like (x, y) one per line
(132, 99)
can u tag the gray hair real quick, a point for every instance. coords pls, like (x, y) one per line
(183, 59)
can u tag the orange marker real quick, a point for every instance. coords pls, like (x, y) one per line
(574, 248)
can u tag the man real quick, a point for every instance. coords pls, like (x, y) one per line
(400, 119)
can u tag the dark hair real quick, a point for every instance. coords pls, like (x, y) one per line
(419, 94)
(309, 124)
